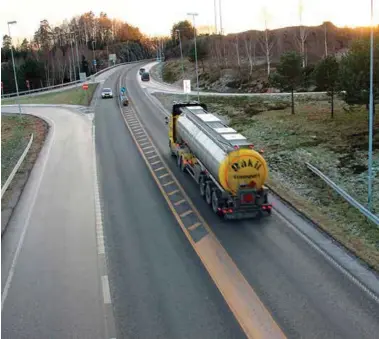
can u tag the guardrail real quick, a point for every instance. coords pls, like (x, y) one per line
(72, 83)
(16, 167)
(344, 194)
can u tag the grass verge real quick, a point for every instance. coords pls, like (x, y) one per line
(337, 146)
(15, 135)
(72, 96)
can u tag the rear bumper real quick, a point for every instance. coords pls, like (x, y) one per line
(230, 214)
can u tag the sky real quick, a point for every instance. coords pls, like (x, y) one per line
(157, 17)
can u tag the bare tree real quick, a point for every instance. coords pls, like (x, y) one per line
(303, 34)
(250, 47)
(267, 41)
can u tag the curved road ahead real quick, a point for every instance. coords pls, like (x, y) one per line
(159, 287)
(51, 275)
(167, 267)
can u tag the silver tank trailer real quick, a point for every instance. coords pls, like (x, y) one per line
(205, 149)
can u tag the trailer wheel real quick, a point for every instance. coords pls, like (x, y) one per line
(215, 201)
(208, 193)
(171, 151)
(181, 163)
(202, 186)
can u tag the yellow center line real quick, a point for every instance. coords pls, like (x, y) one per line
(168, 183)
(173, 192)
(179, 202)
(194, 226)
(186, 213)
(251, 314)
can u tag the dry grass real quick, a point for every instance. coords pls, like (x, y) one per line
(337, 146)
(72, 96)
(14, 137)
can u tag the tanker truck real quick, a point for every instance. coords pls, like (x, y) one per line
(230, 173)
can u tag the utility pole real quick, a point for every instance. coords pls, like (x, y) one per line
(371, 110)
(197, 70)
(215, 8)
(14, 66)
(221, 31)
(181, 52)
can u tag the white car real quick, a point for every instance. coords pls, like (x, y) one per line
(106, 93)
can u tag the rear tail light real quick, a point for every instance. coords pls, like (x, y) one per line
(251, 146)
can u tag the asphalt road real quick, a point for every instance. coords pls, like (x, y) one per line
(158, 285)
(51, 284)
(307, 294)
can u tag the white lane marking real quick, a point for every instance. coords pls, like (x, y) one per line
(99, 219)
(326, 255)
(27, 220)
(106, 290)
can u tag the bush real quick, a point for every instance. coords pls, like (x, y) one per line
(253, 109)
(168, 75)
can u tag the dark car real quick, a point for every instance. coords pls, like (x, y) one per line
(141, 71)
(145, 76)
(125, 101)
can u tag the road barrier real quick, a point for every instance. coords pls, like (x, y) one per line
(15, 169)
(344, 194)
(72, 83)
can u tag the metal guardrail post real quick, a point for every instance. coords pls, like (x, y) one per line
(372, 217)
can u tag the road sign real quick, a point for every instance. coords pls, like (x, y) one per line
(187, 86)
(85, 86)
(27, 84)
(82, 76)
(123, 89)
(94, 62)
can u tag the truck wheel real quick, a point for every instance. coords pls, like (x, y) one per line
(208, 193)
(171, 151)
(215, 202)
(181, 164)
(202, 186)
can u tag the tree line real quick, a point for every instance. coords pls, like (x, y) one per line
(348, 76)
(344, 73)
(57, 54)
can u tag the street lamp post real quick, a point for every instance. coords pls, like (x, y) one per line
(14, 66)
(73, 59)
(77, 54)
(371, 109)
(94, 56)
(197, 72)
